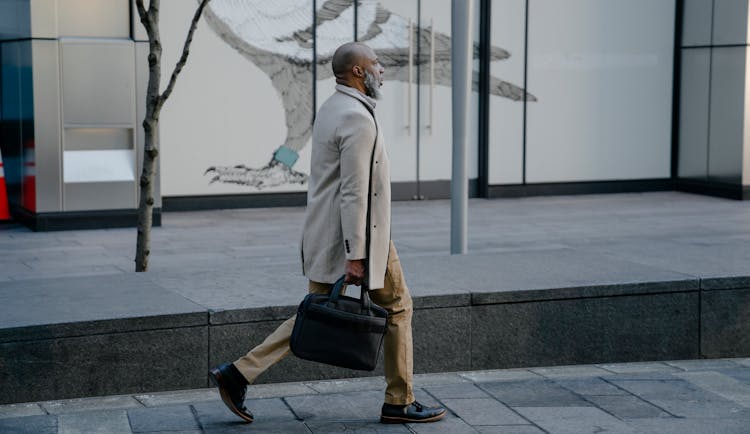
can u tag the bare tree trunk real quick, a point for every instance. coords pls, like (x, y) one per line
(154, 103)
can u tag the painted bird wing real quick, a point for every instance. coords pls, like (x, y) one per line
(284, 27)
(271, 26)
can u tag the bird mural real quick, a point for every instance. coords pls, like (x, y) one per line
(277, 36)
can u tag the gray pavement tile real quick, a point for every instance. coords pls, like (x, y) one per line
(178, 397)
(570, 371)
(533, 393)
(271, 409)
(589, 386)
(233, 285)
(271, 415)
(261, 426)
(703, 364)
(709, 260)
(672, 388)
(638, 367)
(690, 426)
(167, 418)
(74, 260)
(67, 248)
(259, 391)
(462, 390)
(449, 424)
(75, 300)
(352, 406)
(177, 432)
(80, 272)
(720, 384)
(20, 410)
(627, 406)
(13, 266)
(483, 411)
(515, 276)
(45, 424)
(641, 376)
(90, 404)
(348, 385)
(332, 427)
(509, 429)
(94, 422)
(437, 378)
(574, 420)
(499, 375)
(684, 399)
(741, 374)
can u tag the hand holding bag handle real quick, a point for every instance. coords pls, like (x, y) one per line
(364, 297)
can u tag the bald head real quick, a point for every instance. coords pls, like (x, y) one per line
(347, 56)
(356, 65)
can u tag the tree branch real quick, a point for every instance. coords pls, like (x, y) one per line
(143, 14)
(185, 52)
(141, 8)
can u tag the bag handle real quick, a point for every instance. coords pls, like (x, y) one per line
(364, 298)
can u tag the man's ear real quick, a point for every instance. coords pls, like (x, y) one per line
(357, 71)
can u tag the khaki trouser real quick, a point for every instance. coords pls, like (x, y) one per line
(398, 356)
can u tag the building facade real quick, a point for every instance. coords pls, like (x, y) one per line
(571, 96)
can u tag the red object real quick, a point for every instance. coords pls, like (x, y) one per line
(4, 211)
(28, 191)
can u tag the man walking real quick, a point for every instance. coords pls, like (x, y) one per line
(334, 240)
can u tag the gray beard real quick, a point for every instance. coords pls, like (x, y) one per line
(372, 86)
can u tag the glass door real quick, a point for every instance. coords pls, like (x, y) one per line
(435, 101)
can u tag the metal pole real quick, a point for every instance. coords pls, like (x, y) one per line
(461, 66)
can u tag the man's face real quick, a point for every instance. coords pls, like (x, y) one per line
(373, 78)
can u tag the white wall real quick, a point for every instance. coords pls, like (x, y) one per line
(602, 71)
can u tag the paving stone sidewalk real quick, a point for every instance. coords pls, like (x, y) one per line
(689, 396)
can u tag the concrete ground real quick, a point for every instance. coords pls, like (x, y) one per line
(682, 397)
(681, 232)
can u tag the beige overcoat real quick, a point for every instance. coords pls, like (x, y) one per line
(336, 227)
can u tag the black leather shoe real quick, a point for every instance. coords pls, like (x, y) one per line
(412, 413)
(232, 387)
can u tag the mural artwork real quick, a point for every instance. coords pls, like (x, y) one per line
(277, 36)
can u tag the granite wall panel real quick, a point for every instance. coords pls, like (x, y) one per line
(580, 331)
(117, 363)
(725, 323)
(442, 339)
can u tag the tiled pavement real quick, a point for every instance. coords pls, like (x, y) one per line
(691, 396)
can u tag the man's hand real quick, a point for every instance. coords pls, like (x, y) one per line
(355, 272)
